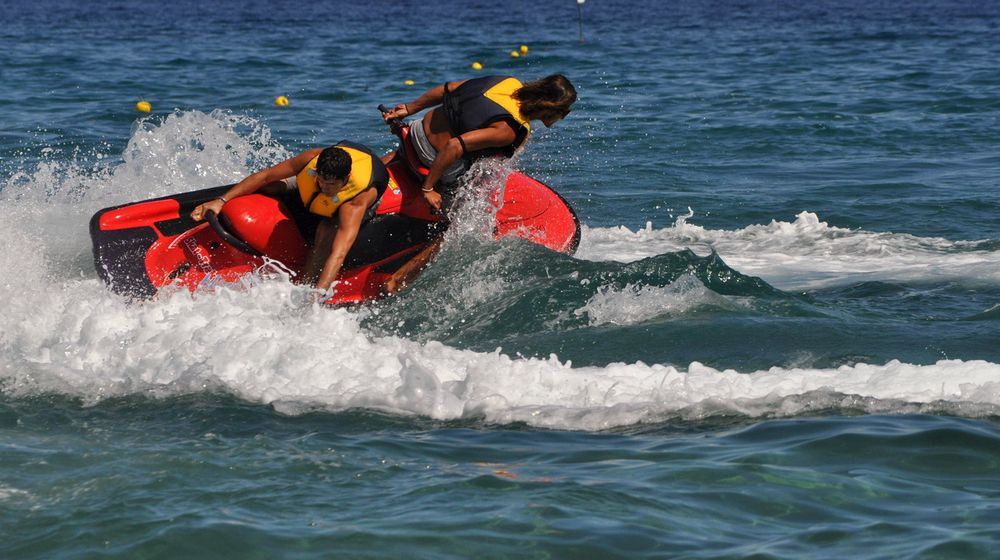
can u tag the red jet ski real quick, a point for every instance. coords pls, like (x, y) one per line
(144, 246)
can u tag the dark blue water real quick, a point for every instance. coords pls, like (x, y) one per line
(779, 337)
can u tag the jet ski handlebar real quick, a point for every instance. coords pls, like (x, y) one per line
(395, 125)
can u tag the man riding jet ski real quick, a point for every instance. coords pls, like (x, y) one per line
(343, 183)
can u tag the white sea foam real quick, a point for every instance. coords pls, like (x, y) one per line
(62, 331)
(189, 150)
(265, 349)
(804, 254)
(14, 495)
(637, 304)
(48, 205)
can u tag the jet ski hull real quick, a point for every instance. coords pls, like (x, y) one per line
(142, 247)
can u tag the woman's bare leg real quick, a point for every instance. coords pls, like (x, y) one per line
(409, 271)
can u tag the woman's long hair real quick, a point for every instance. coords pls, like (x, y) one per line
(549, 95)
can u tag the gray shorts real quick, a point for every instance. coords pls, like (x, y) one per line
(427, 153)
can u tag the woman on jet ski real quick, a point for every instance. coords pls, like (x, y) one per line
(476, 118)
(472, 119)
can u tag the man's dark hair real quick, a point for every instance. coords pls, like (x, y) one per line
(333, 163)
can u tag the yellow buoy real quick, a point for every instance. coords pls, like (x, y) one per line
(477, 65)
(144, 106)
(524, 49)
(515, 54)
(409, 82)
(281, 101)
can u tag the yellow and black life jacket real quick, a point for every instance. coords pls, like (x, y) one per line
(480, 102)
(367, 171)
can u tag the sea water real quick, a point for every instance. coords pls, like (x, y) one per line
(779, 338)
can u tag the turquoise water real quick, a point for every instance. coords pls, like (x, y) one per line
(779, 337)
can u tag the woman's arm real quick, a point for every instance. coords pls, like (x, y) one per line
(497, 135)
(430, 98)
(257, 181)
